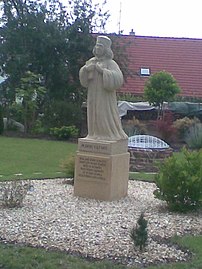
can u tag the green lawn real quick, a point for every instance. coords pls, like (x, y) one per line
(19, 257)
(35, 158)
(32, 158)
(193, 243)
(148, 177)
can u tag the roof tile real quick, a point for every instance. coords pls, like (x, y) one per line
(182, 57)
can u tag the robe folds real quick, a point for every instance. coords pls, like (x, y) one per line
(102, 111)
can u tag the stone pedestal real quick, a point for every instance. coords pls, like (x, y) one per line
(101, 169)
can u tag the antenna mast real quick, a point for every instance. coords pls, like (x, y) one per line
(119, 23)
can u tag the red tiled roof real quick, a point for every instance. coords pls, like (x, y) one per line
(182, 57)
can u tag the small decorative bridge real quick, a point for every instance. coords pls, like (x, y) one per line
(146, 141)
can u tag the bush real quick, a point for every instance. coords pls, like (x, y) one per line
(15, 112)
(134, 127)
(65, 132)
(179, 181)
(1, 121)
(165, 127)
(38, 128)
(14, 192)
(193, 137)
(68, 166)
(182, 125)
(139, 233)
(62, 113)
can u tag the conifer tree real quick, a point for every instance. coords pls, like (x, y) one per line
(139, 233)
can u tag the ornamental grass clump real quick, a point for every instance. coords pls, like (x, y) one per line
(139, 234)
(13, 193)
(183, 125)
(179, 181)
(193, 136)
(68, 166)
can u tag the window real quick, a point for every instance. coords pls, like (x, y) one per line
(144, 71)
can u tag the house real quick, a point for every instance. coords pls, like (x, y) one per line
(182, 57)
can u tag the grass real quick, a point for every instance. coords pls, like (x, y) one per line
(148, 177)
(32, 158)
(193, 243)
(20, 257)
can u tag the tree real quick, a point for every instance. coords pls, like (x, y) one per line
(30, 93)
(1, 121)
(139, 233)
(30, 41)
(160, 87)
(47, 38)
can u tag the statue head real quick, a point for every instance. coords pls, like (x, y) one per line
(103, 44)
(104, 40)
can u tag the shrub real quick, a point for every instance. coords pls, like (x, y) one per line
(65, 132)
(193, 137)
(1, 121)
(139, 233)
(14, 192)
(59, 113)
(179, 181)
(134, 127)
(15, 112)
(165, 127)
(68, 166)
(182, 125)
(38, 128)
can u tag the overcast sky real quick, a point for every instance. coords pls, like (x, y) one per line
(169, 18)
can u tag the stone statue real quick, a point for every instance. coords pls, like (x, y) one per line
(102, 76)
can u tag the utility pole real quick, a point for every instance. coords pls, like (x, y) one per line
(119, 23)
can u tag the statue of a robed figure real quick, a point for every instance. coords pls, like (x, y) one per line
(102, 159)
(102, 76)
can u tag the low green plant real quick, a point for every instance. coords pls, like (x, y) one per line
(139, 233)
(193, 137)
(68, 166)
(39, 128)
(65, 132)
(13, 193)
(179, 181)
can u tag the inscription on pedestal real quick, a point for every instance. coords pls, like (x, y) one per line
(102, 147)
(92, 168)
(94, 147)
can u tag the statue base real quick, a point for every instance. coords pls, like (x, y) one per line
(101, 169)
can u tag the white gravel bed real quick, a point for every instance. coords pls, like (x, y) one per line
(53, 218)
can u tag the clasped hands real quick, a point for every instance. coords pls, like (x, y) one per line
(92, 67)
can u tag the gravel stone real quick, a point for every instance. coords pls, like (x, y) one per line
(53, 218)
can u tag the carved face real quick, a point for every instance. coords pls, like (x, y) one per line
(99, 50)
